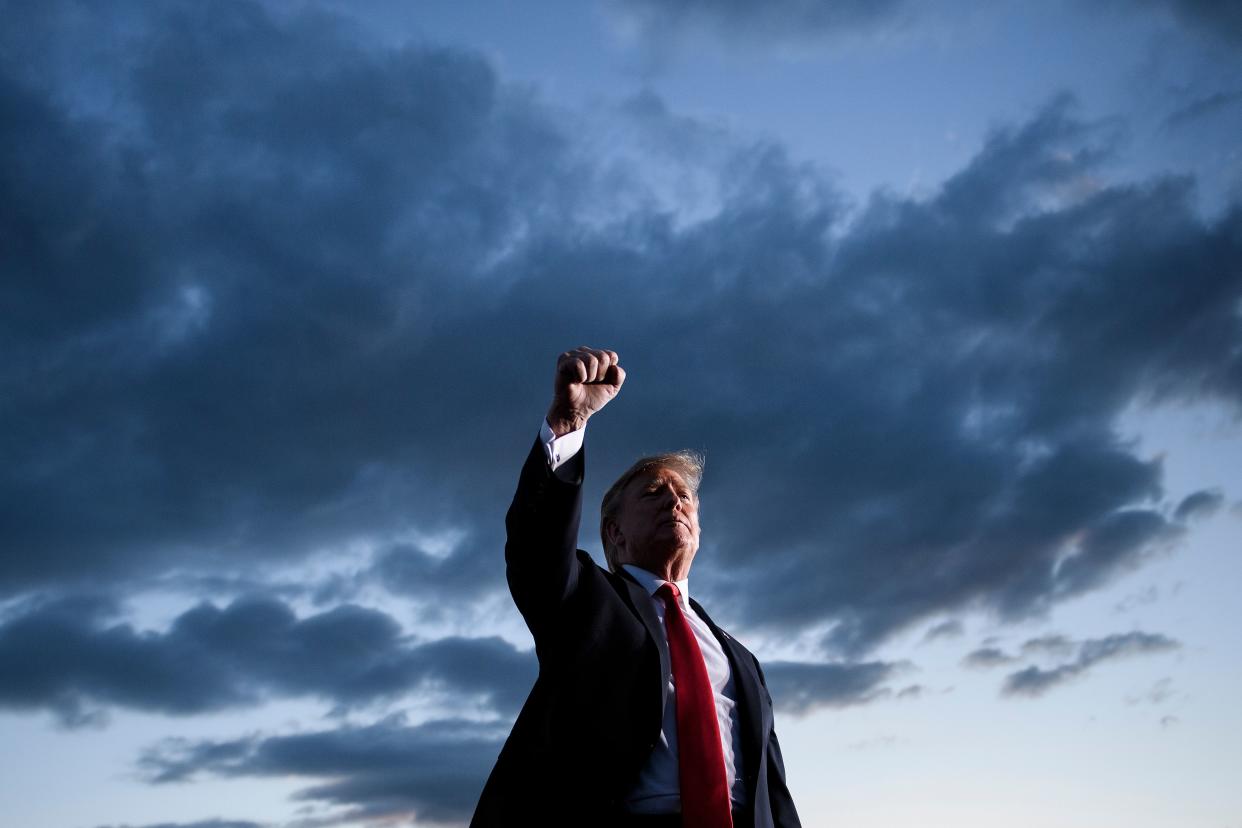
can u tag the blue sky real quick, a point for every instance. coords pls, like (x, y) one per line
(948, 294)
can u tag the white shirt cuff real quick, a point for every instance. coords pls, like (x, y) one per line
(560, 450)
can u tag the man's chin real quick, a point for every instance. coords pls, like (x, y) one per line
(675, 550)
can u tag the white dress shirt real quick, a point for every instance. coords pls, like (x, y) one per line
(658, 788)
(560, 449)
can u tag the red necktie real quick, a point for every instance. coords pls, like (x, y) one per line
(700, 756)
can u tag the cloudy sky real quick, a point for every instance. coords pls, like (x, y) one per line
(950, 295)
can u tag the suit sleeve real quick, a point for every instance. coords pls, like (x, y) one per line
(784, 814)
(541, 554)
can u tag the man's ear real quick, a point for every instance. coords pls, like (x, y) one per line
(614, 533)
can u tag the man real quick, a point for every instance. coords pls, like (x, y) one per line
(645, 713)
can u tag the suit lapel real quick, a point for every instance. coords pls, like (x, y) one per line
(641, 601)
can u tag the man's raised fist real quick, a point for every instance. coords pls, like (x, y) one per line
(586, 380)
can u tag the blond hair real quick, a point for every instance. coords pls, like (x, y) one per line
(688, 464)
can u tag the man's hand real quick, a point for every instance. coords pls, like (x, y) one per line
(586, 380)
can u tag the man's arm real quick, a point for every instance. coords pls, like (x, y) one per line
(784, 814)
(542, 522)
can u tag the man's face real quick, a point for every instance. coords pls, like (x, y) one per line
(658, 521)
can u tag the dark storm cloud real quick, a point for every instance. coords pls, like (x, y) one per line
(1203, 107)
(410, 570)
(277, 290)
(68, 658)
(1214, 18)
(785, 19)
(433, 771)
(1035, 681)
(945, 629)
(987, 657)
(1110, 543)
(1199, 505)
(956, 378)
(1053, 644)
(801, 688)
(235, 323)
(206, 823)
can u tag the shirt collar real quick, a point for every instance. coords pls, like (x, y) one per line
(651, 582)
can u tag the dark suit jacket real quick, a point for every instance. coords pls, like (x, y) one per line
(595, 711)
